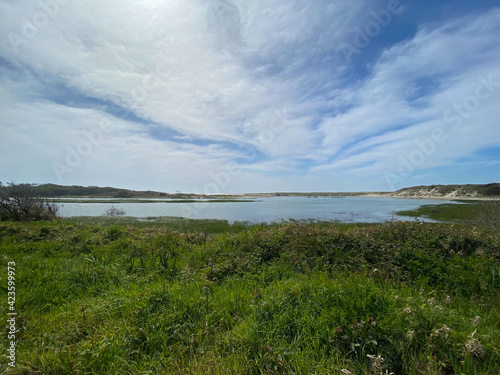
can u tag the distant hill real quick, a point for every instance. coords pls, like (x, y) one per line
(432, 191)
(451, 191)
(60, 191)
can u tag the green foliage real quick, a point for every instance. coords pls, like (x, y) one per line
(314, 298)
(492, 190)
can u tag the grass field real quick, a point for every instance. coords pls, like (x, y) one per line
(177, 296)
(184, 225)
(466, 212)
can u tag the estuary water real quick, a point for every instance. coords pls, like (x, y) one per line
(345, 209)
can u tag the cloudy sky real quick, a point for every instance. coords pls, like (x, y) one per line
(250, 95)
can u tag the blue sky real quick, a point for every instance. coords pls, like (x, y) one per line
(233, 96)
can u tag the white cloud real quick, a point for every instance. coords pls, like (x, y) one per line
(386, 119)
(217, 75)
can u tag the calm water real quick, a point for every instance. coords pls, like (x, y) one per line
(348, 209)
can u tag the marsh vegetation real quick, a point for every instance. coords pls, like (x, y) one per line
(124, 296)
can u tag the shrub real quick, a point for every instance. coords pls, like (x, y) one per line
(113, 211)
(20, 203)
(487, 215)
(491, 190)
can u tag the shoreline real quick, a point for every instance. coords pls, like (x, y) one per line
(196, 198)
(472, 192)
(432, 197)
(367, 194)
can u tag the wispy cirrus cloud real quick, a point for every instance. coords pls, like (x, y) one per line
(410, 89)
(193, 86)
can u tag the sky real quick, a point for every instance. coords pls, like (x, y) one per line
(238, 96)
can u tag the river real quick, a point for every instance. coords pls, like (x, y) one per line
(345, 209)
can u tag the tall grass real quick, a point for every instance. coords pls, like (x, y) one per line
(325, 298)
(483, 214)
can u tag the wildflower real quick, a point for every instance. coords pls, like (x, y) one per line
(438, 308)
(410, 334)
(475, 320)
(474, 347)
(443, 331)
(447, 299)
(355, 326)
(377, 361)
(407, 310)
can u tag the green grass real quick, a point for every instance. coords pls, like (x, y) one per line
(206, 226)
(464, 212)
(131, 297)
(442, 212)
